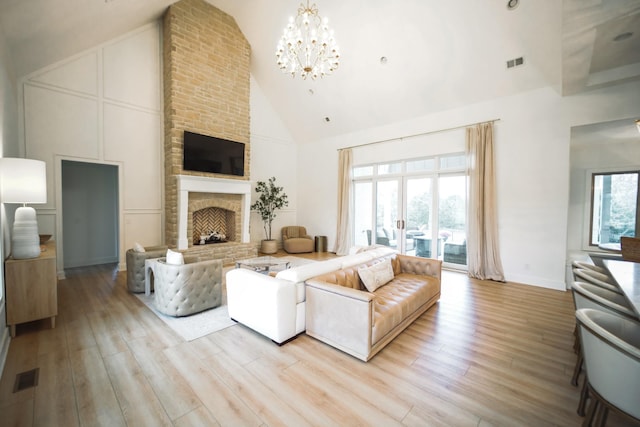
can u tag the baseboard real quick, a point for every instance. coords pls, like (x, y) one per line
(73, 263)
(558, 285)
(5, 340)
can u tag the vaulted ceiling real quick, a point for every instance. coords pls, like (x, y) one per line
(439, 54)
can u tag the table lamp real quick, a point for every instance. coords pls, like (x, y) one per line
(23, 181)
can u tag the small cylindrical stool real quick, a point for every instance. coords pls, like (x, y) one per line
(321, 243)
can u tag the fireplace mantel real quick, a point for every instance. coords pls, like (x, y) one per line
(198, 184)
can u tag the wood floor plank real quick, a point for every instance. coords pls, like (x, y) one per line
(136, 398)
(17, 414)
(55, 401)
(199, 417)
(293, 392)
(420, 416)
(170, 387)
(227, 407)
(106, 332)
(337, 398)
(261, 346)
(97, 402)
(52, 340)
(262, 401)
(349, 375)
(80, 335)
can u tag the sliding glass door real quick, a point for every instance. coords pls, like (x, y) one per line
(388, 212)
(452, 218)
(417, 207)
(363, 213)
(419, 217)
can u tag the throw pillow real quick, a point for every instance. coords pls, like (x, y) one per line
(376, 275)
(137, 247)
(175, 258)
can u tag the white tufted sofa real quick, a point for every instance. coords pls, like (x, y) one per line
(189, 288)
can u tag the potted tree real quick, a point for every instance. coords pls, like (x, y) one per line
(271, 198)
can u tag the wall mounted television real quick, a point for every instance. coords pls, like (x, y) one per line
(204, 153)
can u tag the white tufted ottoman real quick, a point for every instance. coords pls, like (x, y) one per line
(181, 290)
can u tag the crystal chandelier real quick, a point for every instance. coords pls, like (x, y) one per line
(307, 46)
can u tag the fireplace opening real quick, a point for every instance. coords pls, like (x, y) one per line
(213, 225)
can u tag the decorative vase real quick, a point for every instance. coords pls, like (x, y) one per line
(269, 246)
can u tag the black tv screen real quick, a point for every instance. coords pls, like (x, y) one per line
(204, 153)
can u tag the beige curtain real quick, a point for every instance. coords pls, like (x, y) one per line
(343, 232)
(482, 241)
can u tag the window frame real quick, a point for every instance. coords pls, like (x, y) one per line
(589, 201)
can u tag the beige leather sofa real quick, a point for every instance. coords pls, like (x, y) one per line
(342, 313)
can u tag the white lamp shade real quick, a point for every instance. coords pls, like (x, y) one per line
(23, 180)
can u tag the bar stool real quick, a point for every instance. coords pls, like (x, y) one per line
(595, 278)
(611, 347)
(586, 295)
(588, 266)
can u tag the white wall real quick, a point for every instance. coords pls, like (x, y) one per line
(273, 153)
(8, 148)
(102, 106)
(532, 158)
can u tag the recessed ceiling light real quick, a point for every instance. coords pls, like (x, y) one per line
(512, 4)
(383, 60)
(622, 36)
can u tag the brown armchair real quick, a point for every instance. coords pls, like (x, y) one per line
(295, 240)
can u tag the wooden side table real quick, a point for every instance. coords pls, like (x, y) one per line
(32, 288)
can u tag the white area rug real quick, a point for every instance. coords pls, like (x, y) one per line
(209, 321)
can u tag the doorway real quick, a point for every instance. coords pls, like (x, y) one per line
(90, 225)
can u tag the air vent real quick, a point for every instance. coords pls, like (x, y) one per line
(516, 62)
(25, 380)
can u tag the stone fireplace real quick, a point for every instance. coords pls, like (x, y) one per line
(206, 61)
(226, 198)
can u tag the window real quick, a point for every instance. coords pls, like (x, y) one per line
(614, 206)
(389, 168)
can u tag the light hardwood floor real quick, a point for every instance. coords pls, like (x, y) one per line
(487, 354)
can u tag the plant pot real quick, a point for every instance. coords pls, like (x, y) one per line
(269, 246)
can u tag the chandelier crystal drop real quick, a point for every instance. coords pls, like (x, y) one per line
(307, 46)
